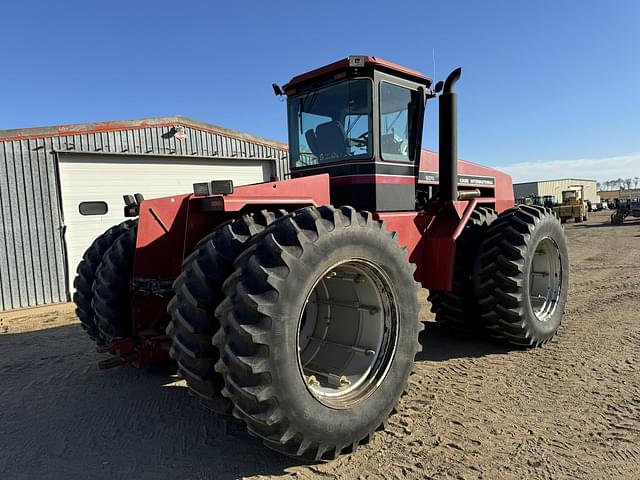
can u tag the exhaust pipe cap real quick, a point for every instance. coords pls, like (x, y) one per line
(451, 80)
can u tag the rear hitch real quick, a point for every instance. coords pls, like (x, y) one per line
(151, 349)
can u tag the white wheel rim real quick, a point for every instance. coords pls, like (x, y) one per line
(347, 333)
(545, 279)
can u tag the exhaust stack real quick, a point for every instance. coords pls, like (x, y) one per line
(448, 141)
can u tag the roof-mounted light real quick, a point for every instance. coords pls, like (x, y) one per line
(356, 61)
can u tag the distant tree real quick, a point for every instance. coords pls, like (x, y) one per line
(620, 182)
(628, 182)
(636, 181)
(598, 186)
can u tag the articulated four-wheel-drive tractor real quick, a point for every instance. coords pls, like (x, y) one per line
(292, 304)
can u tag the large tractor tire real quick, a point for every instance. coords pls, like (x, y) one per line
(523, 276)
(86, 275)
(319, 331)
(457, 310)
(111, 289)
(198, 292)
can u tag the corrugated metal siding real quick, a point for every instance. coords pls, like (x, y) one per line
(32, 258)
(555, 188)
(32, 265)
(161, 140)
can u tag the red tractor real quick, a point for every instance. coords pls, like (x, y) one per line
(292, 304)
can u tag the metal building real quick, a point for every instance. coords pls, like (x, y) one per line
(622, 194)
(555, 188)
(60, 187)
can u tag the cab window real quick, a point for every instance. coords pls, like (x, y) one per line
(331, 124)
(398, 107)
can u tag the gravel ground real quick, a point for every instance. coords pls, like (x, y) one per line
(475, 409)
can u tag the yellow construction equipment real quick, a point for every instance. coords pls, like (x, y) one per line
(573, 205)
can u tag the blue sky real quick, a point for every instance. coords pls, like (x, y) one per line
(549, 88)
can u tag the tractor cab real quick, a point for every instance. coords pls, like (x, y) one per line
(570, 197)
(360, 121)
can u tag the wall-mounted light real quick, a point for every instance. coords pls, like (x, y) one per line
(179, 132)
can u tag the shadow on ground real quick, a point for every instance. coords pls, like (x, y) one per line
(439, 344)
(608, 224)
(62, 417)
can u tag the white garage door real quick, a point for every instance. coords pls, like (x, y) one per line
(106, 178)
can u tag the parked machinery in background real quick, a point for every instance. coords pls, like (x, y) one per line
(548, 201)
(573, 205)
(525, 200)
(625, 208)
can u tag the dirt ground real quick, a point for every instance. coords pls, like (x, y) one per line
(475, 409)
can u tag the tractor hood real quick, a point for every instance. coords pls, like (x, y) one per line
(470, 174)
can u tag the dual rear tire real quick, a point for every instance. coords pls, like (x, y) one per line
(102, 284)
(523, 276)
(198, 292)
(316, 335)
(510, 278)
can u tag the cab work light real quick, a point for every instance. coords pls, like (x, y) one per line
(202, 189)
(132, 204)
(215, 187)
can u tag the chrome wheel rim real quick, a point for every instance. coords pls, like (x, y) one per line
(545, 279)
(347, 333)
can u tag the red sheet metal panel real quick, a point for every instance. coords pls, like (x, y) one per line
(472, 175)
(313, 190)
(410, 228)
(430, 238)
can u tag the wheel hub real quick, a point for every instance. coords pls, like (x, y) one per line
(347, 333)
(545, 279)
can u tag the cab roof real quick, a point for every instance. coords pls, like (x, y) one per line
(354, 62)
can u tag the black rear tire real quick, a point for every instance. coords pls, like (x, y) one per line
(86, 275)
(457, 310)
(111, 289)
(262, 319)
(198, 292)
(523, 276)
